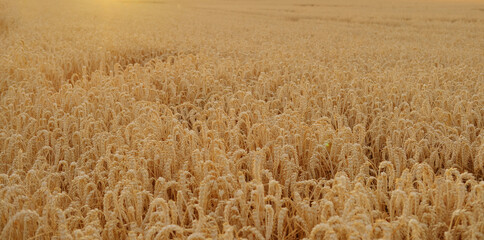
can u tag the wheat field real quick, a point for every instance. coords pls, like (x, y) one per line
(226, 119)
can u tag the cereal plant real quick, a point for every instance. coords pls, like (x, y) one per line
(241, 119)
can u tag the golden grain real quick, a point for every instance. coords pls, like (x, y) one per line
(256, 120)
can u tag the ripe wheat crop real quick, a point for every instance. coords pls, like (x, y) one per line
(241, 119)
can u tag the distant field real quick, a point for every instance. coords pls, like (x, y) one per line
(235, 119)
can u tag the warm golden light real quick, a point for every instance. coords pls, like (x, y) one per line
(217, 119)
